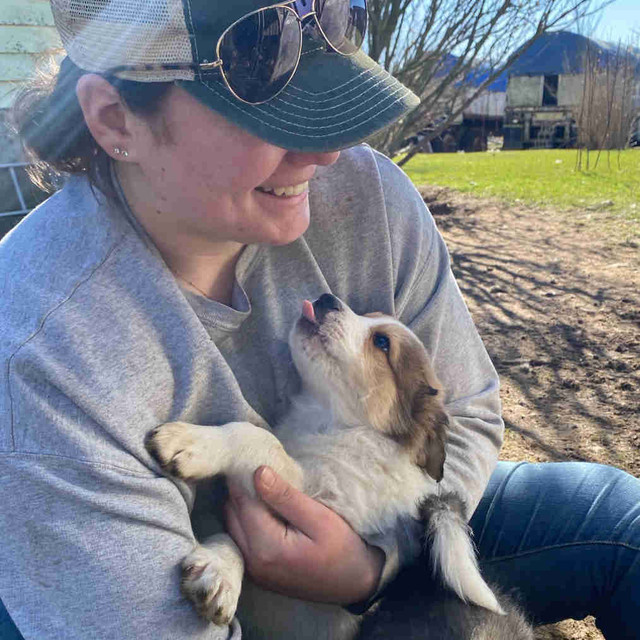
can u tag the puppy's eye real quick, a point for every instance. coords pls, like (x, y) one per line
(380, 341)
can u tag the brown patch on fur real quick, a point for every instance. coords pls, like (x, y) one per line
(429, 445)
(406, 403)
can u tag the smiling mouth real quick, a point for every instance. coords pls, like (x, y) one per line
(293, 190)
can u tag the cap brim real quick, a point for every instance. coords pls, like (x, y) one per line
(332, 102)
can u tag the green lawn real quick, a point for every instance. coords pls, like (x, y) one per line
(546, 176)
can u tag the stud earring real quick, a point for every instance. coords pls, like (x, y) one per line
(118, 151)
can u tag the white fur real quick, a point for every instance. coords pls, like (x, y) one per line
(454, 557)
(212, 578)
(358, 472)
(338, 459)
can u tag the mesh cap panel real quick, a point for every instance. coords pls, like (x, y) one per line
(101, 34)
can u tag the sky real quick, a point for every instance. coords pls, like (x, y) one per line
(619, 20)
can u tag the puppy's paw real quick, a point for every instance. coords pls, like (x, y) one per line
(212, 585)
(176, 446)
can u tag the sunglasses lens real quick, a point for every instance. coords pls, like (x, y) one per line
(260, 53)
(344, 23)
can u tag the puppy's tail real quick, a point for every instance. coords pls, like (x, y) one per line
(452, 552)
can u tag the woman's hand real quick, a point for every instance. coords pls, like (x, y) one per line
(311, 553)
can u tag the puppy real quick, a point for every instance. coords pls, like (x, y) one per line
(366, 437)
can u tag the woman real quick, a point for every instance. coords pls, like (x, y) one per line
(209, 197)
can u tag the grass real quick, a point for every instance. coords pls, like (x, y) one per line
(538, 177)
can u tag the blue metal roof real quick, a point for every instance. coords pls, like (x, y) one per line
(560, 52)
(474, 78)
(555, 52)
(499, 84)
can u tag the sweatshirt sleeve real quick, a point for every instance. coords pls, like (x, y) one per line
(93, 551)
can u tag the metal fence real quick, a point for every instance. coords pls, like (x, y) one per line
(11, 168)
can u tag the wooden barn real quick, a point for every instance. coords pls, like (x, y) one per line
(549, 85)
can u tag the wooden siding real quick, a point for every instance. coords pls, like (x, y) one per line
(27, 31)
(525, 91)
(23, 12)
(570, 89)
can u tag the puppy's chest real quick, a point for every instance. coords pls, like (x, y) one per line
(359, 474)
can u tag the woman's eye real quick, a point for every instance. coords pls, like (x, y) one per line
(380, 341)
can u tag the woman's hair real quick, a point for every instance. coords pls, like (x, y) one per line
(48, 118)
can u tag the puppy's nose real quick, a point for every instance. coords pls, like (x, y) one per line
(324, 304)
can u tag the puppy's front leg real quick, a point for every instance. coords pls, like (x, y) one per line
(236, 449)
(212, 578)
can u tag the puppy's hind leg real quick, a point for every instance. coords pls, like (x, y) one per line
(212, 578)
(452, 552)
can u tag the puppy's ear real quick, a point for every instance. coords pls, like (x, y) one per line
(430, 422)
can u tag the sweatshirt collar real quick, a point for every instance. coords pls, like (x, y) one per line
(214, 315)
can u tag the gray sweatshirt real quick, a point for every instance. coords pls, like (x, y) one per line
(99, 344)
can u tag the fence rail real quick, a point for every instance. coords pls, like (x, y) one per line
(11, 168)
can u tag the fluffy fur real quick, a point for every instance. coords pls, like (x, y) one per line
(366, 437)
(416, 606)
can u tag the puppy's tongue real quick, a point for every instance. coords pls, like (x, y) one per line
(308, 312)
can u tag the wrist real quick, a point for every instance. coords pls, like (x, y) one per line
(370, 579)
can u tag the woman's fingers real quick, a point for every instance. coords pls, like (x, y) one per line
(298, 509)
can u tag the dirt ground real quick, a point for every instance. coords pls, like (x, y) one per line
(556, 298)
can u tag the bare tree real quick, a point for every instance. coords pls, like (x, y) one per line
(610, 101)
(439, 48)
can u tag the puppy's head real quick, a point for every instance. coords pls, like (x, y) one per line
(372, 370)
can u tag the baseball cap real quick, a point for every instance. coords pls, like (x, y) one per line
(332, 102)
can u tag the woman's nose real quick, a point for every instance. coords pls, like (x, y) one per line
(321, 158)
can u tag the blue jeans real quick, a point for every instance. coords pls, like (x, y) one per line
(565, 535)
(8, 630)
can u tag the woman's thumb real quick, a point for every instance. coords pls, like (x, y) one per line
(271, 487)
(294, 506)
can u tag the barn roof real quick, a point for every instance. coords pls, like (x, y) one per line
(555, 52)
(559, 52)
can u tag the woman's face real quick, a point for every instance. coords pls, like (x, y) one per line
(204, 179)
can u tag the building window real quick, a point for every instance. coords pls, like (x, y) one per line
(550, 92)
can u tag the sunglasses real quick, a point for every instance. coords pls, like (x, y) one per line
(258, 54)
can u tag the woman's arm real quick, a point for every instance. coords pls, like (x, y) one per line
(93, 551)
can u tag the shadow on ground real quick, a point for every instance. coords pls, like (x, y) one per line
(556, 299)
(558, 307)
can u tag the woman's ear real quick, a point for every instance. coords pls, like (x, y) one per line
(111, 123)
